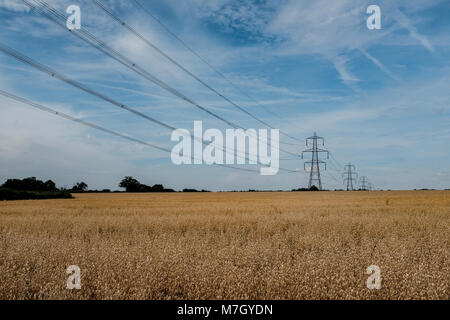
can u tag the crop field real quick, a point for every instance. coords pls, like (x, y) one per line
(285, 245)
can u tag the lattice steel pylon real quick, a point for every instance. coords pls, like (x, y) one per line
(364, 183)
(314, 174)
(349, 172)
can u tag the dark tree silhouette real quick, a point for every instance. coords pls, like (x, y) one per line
(79, 187)
(30, 184)
(158, 188)
(31, 188)
(130, 184)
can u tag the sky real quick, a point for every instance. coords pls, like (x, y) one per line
(380, 98)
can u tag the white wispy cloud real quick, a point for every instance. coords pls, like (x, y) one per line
(13, 5)
(380, 65)
(332, 31)
(405, 22)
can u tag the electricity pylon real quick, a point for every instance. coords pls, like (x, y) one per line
(364, 183)
(314, 174)
(350, 172)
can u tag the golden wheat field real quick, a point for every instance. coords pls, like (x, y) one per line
(228, 245)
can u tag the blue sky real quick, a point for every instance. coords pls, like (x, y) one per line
(379, 97)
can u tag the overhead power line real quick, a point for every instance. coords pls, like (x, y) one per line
(209, 65)
(334, 164)
(93, 41)
(100, 128)
(161, 52)
(20, 57)
(60, 19)
(335, 160)
(332, 176)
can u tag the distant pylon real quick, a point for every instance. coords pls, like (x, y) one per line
(349, 172)
(364, 183)
(314, 174)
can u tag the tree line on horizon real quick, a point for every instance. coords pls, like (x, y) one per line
(33, 189)
(130, 184)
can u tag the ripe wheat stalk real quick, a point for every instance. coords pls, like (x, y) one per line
(228, 246)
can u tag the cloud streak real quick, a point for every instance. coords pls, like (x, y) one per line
(307, 62)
